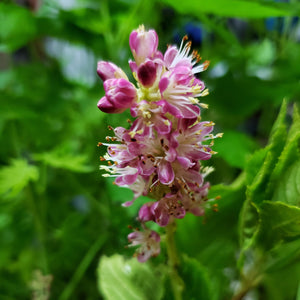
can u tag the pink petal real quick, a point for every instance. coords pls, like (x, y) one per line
(165, 172)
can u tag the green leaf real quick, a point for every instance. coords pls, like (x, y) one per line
(279, 223)
(248, 224)
(17, 27)
(120, 279)
(254, 164)
(59, 159)
(283, 283)
(288, 189)
(16, 176)
(283, 256)
(289, 155)
(235, 147)
(258, 171)
(233, 8)
(256, 191)
(198, 284)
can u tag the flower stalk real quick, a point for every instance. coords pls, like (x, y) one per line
(173, 262)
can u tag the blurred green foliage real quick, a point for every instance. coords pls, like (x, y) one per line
(58, 215)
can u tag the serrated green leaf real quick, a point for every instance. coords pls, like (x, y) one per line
(16, 176)
(254, 164)
(258, 170)
(120, 279)
(232, 8)
(198, 284)
(295, 128)
(279, 223)
(235, 147)
(61, 160)
(289, 155)
(248, 224)
(280, 120)
(256, 191)
(288, 189)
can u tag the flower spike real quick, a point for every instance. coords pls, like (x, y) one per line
(160, 154)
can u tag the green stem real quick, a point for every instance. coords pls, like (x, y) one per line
(173, 262)
(84, 264)
(38, 225)
(249, 281)
(245, 288)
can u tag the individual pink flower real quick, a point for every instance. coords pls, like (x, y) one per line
(146, 213)
(182, 57)
(148, 242)
(191, 140)
(179, 93)
(194, 200)
(120, 94)
(143, 44)
(149, 116)
(167, 208)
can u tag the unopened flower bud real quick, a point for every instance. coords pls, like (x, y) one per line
(119, 95)
(146, 213)
(143, 44)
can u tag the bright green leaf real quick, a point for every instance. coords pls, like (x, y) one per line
(61, 160)
(16, 176)
(256, 190)
(279, 223)
(198, 284)
(120, 279)
(254, 163)
(258, 171)
(232, 8)
(289, 155)
(288, 189)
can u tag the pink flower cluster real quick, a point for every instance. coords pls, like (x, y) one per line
(159, 155)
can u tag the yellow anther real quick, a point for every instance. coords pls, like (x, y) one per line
(204, 93)
(203, 105)
(209, 124)
(193, 100)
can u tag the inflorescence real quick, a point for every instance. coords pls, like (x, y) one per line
(159, 155)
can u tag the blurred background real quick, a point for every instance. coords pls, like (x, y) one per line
(57, 214)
